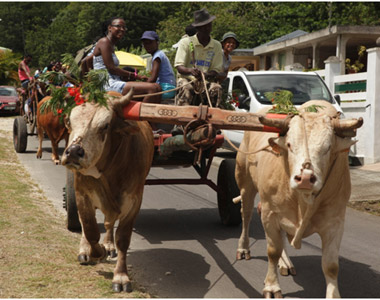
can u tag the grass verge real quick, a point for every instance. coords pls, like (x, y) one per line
(38, 255)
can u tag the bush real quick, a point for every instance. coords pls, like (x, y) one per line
(8, 68)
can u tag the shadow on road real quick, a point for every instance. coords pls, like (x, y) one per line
(356, 280)
(158, 225)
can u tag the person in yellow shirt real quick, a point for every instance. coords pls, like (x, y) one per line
(196, 55)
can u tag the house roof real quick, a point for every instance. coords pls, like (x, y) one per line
(288, 36)
(243, 52)
(301, 38)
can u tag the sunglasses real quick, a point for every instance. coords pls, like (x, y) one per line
(119, 27)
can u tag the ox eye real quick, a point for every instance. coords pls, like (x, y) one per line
(327, 150)
(289, 146)
(104, 128)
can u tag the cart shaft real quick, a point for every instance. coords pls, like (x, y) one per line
(182, 115)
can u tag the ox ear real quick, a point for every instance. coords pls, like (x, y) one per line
(344, 144)
(277, 146)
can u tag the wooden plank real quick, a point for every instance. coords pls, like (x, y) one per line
(182, 115)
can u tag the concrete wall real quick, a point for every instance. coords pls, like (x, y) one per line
(361, 104)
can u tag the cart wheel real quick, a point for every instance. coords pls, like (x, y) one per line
(20, 134)
(33, 123)
(69, 202)
(229, 212)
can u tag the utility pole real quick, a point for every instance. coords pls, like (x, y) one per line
(330, 15)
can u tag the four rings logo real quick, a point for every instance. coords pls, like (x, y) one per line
(237, 119)
(167, 112)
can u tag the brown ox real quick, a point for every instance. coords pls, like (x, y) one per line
(304, 186)
(110, 158)
(56, 131)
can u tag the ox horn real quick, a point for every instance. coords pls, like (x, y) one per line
(124, 100)
(282, 124)
(346, 128)
(119, 104)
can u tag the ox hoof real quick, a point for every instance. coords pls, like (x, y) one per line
(293, 271)
(84, 259)
(270, 295)
(284, 271)
(117, 287)
(278, 295)
(267, 295)
(127, 287)
(243, 255)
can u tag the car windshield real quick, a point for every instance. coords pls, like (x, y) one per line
(303, 87)
(4, 91)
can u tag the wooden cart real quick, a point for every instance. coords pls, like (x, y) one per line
(200, 143)
(25, 124)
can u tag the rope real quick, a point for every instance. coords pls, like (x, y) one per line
(241, 151)
(225, 136)
(205, 86)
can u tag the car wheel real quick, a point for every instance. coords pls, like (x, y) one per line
(227, 190)
(20, 134)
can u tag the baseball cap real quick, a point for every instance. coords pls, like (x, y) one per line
(150, 35)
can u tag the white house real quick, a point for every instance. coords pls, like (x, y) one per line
(312, 49)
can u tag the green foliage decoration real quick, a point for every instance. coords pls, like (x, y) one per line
(64, 99)
(282, 103)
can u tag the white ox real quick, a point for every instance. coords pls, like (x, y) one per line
(110, 158)
(303, 181)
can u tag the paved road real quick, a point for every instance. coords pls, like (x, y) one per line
(180, 249)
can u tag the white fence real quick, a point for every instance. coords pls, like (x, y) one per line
(360, 97)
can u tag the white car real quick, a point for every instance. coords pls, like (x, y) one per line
(249, 87)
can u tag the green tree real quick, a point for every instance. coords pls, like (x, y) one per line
(19, 19)
(8, 68)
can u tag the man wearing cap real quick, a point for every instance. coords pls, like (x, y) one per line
(196, 55)
(229, 44)
(161, 69)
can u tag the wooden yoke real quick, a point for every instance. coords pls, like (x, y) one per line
(182, 115)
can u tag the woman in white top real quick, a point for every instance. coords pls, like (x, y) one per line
(104, 57)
